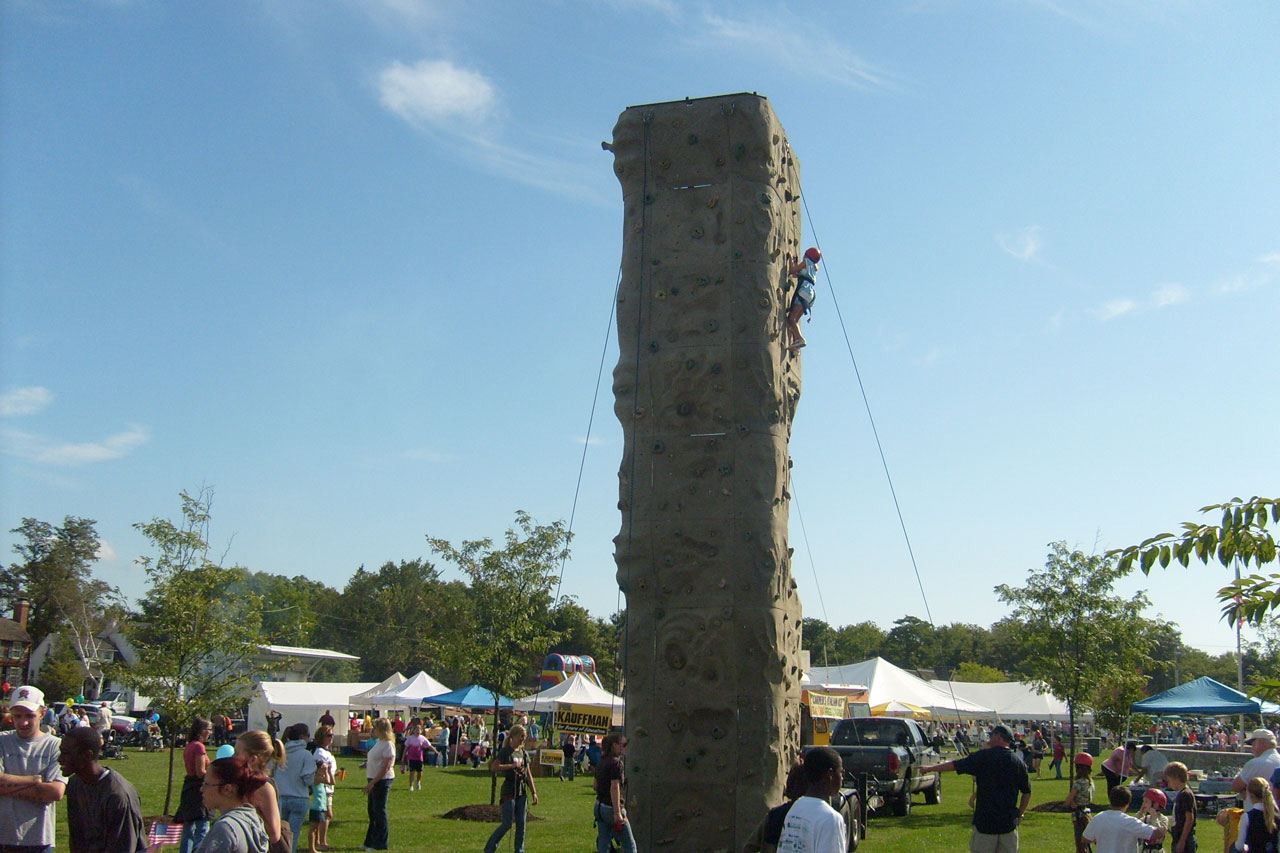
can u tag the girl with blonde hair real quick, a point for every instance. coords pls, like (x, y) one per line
(379, 770)
(1258, 825)
(260, 750)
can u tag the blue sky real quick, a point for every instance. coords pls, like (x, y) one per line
(350, 264)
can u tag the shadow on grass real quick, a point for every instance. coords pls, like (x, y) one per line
(919, 819)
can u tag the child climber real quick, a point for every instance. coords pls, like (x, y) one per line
(1080, 798)
(805, 271)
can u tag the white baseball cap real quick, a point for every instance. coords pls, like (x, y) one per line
(1261, 734)
(31, 698)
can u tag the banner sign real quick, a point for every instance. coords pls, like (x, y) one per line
(828, 706)
(582, 719)
(551, 757)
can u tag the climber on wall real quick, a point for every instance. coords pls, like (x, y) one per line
(804, 270)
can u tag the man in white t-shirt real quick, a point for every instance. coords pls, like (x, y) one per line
(1153, 763)
(31, 780)
(812, 825)
(1264, 763)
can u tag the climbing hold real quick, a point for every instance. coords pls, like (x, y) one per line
(710, 325)
(693, 139)
(764, 198)
(684, 410)
(660, 295)
(690, 364)
(664, 164)
(697, 232)
(740, 151)
(713, 202)
(648, 198)
(653, 346)
(659, 447)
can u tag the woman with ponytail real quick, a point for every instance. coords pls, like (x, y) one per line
(229, 787)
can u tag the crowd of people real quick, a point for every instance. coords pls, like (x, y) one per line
(255, 794)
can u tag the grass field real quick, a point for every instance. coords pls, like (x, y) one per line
(564, 813)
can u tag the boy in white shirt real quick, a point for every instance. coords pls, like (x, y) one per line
(812, 825)
(1113, 831)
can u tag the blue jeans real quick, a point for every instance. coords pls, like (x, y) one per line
(293, 811)
(605, 833)
(513, 810)
(377, 835)
(192, 834)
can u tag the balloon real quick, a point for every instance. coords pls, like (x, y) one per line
(155, 718)
(225, 751)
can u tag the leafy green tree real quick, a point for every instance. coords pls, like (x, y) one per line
(197, 639)
(978, 672)
(512, 588)
(403, 617)
(1242, 535)
(819, 639)
(910, 643)
(858, 642)
(1077, 635)
(56, 574)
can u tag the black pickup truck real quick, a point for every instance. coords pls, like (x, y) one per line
(888, 752)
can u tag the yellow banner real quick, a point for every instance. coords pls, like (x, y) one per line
(582, 719)
(551, 757)
(828, 706)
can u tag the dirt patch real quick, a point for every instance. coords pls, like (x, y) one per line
(1058, 807)
(482, 813)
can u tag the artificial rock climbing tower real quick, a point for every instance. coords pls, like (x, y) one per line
(706, 390)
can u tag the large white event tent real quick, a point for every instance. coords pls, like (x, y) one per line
(889, 683)
(1016, 700)
(361, 699)
(409, 694)
(577, 689)
(303, 702)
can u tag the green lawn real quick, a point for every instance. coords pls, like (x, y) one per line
(564, 814)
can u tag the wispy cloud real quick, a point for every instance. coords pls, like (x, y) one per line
(458, 107)
(593, 441)
(436, 92)
(1169, 294)
(106, 553)
(50, 451)
(792, 46)
(169, 213)
(1023, 245)
(24, 401)
(424, 454)
(1263, 272)
(1116, 308)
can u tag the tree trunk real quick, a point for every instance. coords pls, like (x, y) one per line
(1071, 752)
(168, 792)
(493, 747)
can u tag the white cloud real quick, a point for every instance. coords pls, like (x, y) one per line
(1273, 258)
(593, 441)
(793, 46)
(49, 451)
(1170, 294)
(105, 552)
(1115, 308)
(435, 91)
(1024, 245)
(24, 401)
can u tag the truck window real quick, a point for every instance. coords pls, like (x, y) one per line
(870, 731)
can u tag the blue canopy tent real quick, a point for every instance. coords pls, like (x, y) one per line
(1202, 696)
(471, 696)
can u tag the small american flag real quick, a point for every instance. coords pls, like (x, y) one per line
(163, 835)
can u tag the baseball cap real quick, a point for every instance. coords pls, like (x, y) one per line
(1002, 731)
(31, 698)
(1261, 734)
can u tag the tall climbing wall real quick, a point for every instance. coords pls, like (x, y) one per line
(706, 391)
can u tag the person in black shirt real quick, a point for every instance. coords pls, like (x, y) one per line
(611, 797)
(999, 775)
(517, 788)
(103, 811)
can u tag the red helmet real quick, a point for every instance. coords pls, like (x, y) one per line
(1083, 758)
(813, 254)
(1157, 797)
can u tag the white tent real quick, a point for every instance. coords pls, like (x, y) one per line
(361, 699)
(577, 689)
(1016, 700)
(889, 683)
(409, 694)
(303, 702)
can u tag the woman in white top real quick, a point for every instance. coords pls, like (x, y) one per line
(379, 769)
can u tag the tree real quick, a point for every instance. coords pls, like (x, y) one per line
(1076, 634)
(56, 575)
(1242, 535)
(910, 643)
(858, 642)
(403, 617)
(970, 671)
(511, 587)
(197, 640)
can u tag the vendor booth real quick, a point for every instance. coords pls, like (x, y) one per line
(303, 702)
(408, 694)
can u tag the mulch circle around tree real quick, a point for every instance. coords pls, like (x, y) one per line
(1060, 807)
(482, 814)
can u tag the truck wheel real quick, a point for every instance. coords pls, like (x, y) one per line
(902, 806)
(933, 794)
(851, 811)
